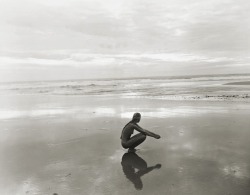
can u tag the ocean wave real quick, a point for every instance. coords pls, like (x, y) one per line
(194, 87)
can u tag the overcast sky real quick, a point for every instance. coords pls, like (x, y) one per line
(80, 39)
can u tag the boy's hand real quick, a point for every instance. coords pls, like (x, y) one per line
(157, 136)
(158, 166)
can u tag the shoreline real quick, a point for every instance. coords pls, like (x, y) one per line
(209, 98)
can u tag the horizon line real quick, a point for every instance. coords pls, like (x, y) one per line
(129, 78)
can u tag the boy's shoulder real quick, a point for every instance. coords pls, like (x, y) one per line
(130, 125)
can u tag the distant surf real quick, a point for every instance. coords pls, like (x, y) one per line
(192, 87)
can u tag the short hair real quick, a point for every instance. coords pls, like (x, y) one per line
(136, 115)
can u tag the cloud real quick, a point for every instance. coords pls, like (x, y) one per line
(126, 25)
(157, 35)
(83, 60)
(79, 65)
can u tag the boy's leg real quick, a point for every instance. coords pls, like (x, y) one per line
(136, 140)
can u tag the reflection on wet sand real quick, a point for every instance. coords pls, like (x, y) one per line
(130, 162)
(204, 149)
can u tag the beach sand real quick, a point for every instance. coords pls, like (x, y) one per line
(70, 145)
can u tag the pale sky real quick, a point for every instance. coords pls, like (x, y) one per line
(82, 39)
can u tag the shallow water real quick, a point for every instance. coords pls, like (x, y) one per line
(204, 147)
(208, 87)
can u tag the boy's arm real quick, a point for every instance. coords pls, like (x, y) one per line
(147, 132)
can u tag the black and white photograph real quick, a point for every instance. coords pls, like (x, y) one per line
(124, 97)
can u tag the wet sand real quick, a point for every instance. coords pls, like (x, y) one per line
(70, 145)
(239, 83)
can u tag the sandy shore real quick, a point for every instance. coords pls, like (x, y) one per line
(70, 145)
(239, 83)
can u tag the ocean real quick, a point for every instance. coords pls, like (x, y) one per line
(203, 87)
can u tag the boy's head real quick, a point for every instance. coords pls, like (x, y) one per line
(136, 117)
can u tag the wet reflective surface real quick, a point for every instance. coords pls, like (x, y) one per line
(134, 167)
(204, 147)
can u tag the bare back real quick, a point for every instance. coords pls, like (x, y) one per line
(127, 131)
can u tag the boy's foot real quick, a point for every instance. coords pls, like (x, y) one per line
(158, 166)
(131, 150)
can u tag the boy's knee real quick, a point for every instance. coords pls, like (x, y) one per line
(125, 146)
(143, 136)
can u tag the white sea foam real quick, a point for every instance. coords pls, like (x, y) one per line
(178, 88)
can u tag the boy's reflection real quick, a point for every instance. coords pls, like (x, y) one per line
(130, 162)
